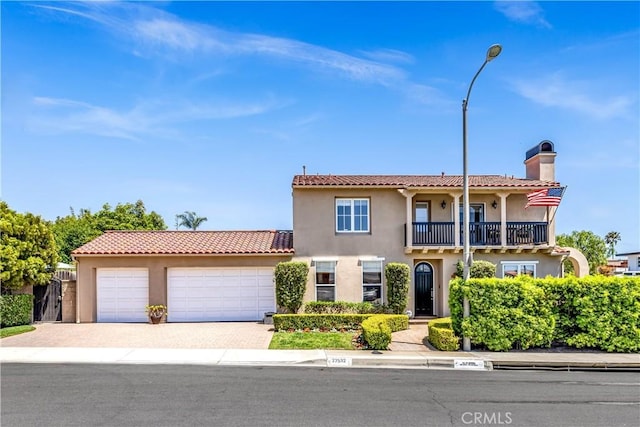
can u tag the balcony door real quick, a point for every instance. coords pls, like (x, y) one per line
(424, 289)
(476, 216)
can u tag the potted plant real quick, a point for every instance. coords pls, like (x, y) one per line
(156, 312)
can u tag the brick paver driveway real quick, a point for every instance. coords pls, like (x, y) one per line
(241, 335)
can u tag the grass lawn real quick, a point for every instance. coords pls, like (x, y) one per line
(15, 330)
(312, 341)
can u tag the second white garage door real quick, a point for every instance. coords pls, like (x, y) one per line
(219, 294)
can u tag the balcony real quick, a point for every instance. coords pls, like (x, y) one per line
(480, 233)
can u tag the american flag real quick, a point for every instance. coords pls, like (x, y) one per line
(545, 197)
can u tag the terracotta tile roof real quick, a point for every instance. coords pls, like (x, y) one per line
(406, 181)
(189, 243)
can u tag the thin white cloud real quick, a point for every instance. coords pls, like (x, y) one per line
(523, 11)
(557, 91)
(389, 55)
(55, 115)
(153, 31)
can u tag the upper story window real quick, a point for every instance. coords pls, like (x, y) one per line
(352, 215)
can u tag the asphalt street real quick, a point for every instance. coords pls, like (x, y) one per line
(181, 395)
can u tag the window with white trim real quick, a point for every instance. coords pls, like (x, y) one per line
(372, 282)
(352, 215)
(325, 280)
(515, 268)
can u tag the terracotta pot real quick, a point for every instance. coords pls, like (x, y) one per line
(155, 319)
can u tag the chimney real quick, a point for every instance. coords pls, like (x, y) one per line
(304, 170)
(540, 162)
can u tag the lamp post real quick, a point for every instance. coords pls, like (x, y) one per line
(492, 53)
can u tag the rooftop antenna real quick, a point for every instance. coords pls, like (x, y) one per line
(304, 170)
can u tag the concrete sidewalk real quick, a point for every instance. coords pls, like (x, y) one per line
(246, 343)
(324, 358)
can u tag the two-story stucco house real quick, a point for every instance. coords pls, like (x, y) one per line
(347, 228)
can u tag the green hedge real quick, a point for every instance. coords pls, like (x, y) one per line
(398, 277)
(597, 312)
(441, 335)
(15, 310)
(285, 322)
(291, 282)
(377, 329)
(376, 332)
(342, 307)
(600, 312)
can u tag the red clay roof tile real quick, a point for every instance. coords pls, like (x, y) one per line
(402, 181)
(189, 243)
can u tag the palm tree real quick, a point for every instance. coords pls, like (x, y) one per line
(189, 220)
(611, 239)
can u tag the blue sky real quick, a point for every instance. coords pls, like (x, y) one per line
(212, 107)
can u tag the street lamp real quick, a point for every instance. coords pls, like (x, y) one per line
(492, 53)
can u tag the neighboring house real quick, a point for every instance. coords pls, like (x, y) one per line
(633, 264)
(199, 275)
(347, 228)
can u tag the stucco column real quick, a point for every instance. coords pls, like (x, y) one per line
(456, 218)
(551, 228)
(409, 208)
(503, 218)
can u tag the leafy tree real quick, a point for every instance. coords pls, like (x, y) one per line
(189, 220)
(592, 246)
(479, 269)
(611, 239)
(74, 230)
(28, 251)
(291, 282)
(398, 276)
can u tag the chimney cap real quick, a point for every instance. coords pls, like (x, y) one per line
(545, 146)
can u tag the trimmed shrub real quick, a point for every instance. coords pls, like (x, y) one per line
(15, 310)
(285, 322)
(398, 276)
(595, 312)
(607, 314)
(342, 307)
(441, 335)
(291, 282)
(376, 332)
(377, 329)
(479, 269)
(507, 313)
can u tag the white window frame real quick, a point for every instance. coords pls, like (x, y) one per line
(322, 263)
(380, 262)
(353, 214)
(519, 265)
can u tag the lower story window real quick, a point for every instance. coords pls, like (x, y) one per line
(515, 268)
(325, 280)
(372, 281)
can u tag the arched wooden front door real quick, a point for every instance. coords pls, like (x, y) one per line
(424, 289)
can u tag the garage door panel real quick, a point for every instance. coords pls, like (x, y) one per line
(122, 295)
(219, 294)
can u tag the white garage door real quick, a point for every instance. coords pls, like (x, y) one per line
(122, 294)
(219, 294)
